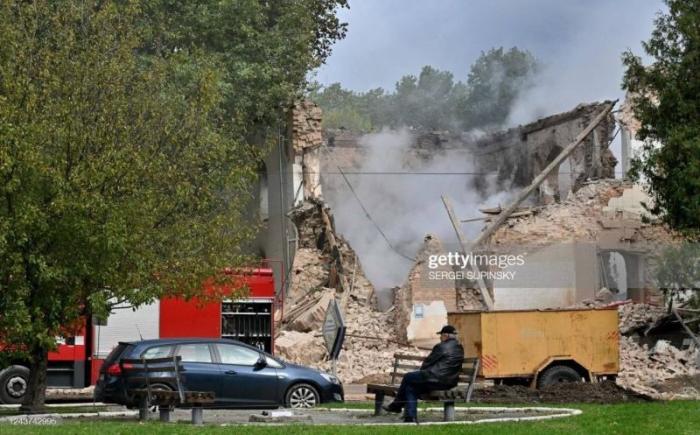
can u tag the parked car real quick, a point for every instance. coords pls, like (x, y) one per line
(240, 375)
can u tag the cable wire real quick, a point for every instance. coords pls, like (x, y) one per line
(369, 217)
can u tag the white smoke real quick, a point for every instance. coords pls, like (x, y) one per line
(587, 65)
(402, 193)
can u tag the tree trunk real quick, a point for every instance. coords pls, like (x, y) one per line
(36, 390)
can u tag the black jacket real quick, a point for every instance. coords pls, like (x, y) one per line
(444, 363)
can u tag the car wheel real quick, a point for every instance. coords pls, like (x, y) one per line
(302, 396)
(557, 375)
(14, 383)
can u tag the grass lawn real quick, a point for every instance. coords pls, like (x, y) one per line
(681, 417)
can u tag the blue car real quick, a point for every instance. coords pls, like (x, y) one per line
(241, 376)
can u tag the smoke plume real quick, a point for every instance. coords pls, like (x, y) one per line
(401, 192)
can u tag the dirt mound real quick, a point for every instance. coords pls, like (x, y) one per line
(604, 392)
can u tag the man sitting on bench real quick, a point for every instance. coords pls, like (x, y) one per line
(439, 371)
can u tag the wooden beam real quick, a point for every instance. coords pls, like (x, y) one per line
(464, 243)
(488, 231)
(685, 327)
(517, 214)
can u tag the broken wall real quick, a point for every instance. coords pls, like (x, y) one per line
(599, 219)
(305, 134)
(515, 156)
(421, 310)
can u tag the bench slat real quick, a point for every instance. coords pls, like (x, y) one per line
(407, 366)
(151, 369)
(151, 379)
(458, 392)
(164, 397)
(408, 357)
(170, 359)
(462, 374)
(140, 373)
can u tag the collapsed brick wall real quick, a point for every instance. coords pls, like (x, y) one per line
(418, 290)
(306, 139)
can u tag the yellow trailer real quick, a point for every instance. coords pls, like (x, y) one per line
(541, 347)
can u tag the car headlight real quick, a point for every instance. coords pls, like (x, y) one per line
(330, 378)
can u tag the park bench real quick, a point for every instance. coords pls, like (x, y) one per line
(149, 381)
(404, 363)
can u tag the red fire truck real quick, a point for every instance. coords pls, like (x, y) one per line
(77, 360)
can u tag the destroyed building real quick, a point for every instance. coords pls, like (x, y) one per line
(580, 217)
(516, 155)
(593, 225)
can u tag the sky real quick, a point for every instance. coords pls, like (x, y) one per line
(579, 42)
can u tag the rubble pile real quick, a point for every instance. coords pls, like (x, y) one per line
(368, 352)
(646, 371)
(321, 272)
(468, 298)
(582, 216)
(653, 371)
(634, 316)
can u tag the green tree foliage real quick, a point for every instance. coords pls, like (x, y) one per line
(424, 101)
(344, 108)
(433, 100)
(264, 48)
(124, 173)
(666, 99)
(677, 274)
(495, 81)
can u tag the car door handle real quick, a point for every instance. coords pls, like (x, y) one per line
(231, 372)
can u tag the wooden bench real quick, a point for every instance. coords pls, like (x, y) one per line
(404, 363)
(144, 381)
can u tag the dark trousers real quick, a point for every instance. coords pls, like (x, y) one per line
(412, 386)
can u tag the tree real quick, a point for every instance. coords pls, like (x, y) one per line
(424, 101)
(433, 100)
(665, 97)
(124, 169)
(264, 48)
(495, 81)
(342, 108)
(677, 273)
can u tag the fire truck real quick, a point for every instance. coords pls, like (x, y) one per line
(77, 360)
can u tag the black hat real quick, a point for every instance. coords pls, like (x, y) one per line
(448, 329)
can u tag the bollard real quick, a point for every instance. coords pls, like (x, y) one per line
(378, 402)
(197, 416)
(164, 414)
(449, 408)
(143, 409)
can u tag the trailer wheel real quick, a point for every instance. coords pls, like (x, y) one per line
(557, 375)
(14, 382)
